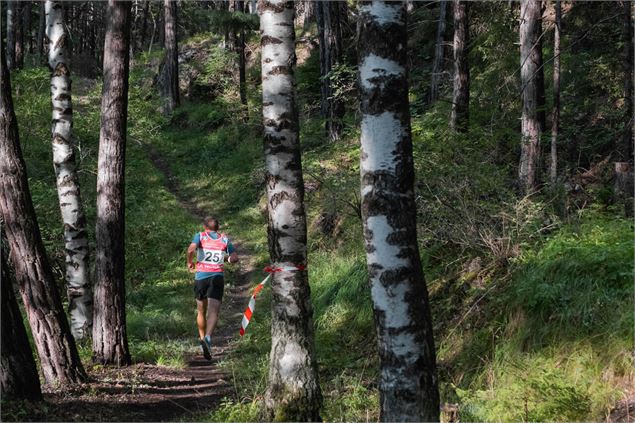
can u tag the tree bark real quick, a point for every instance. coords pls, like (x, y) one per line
(408, 382)
(26, 25)
(627, 136)
(459, 119)
(19, 35)
(310, 13)
(240, 49)
(18, 374)
(530, 60)
(293, 392)
(41, 31)
(540, 77)
(80, 298)
(555, 121)
(55, 345)
(110, 341)
(329, 16)
(232, 40)
(12, 12)
(171, 62)
(439, 52)
(144, 24)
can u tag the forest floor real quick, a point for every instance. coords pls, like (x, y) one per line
(151, 392)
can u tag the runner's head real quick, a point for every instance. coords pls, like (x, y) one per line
(210, 223)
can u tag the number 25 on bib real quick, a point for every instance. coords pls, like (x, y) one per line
(213, 256)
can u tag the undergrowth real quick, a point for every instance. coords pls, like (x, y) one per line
(532, 307)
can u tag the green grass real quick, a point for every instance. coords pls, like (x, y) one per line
(547, 335)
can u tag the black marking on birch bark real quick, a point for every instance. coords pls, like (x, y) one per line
(281, 70)
(265, 40)
(264, 5)
(61, 69)
(63, 97)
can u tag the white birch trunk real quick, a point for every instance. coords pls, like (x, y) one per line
(408, 381)
(80, 300)
(293, 393)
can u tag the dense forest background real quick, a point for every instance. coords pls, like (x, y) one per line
(531, 293)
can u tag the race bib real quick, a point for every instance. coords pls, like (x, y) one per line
(212, 256)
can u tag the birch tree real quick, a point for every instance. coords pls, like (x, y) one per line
(530, 61)
(80, 296)
(110, 341)
(408, 379)
(55, 345)
(18, 374)
(459, 118)
(293, 393)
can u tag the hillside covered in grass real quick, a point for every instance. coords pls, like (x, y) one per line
(532, 297)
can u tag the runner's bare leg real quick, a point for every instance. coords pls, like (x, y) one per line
(201, 308)
(213, 307)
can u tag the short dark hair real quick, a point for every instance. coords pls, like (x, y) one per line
(211, 223)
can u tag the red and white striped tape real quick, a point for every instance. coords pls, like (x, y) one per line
(249, 311)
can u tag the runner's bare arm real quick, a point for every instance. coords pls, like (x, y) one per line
(190, 254)
(232, 258)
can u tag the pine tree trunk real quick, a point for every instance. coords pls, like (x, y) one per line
(310, 13)
(18, 374)
(19, 35)
(240, 49)
(12, 12)
(459, 119)
(26, 24)
(110, 341)
(530, 60)
(41, 28)
(80, 298)
(171, 63)
(231, 41)
(555, 121)
(55, 345)
(408, 381)
(627, 137)
(329, 16)
(540, 75)
(144, 24)
(293, 393)
(439, 52)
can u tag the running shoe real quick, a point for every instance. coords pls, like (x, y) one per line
(206, 349)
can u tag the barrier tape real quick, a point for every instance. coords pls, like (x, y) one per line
(249, 311)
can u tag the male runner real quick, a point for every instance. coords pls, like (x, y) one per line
(213, 249)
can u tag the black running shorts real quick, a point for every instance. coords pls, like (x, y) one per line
(211, 287)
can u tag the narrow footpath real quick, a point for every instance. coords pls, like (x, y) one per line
(147, 392)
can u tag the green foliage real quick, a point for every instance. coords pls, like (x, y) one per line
(576, 284)
(554, 338)
(219, 67)
(201, 116)
(222, 20)
(540, 329)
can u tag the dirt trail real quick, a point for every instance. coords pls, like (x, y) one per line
(145, 392)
